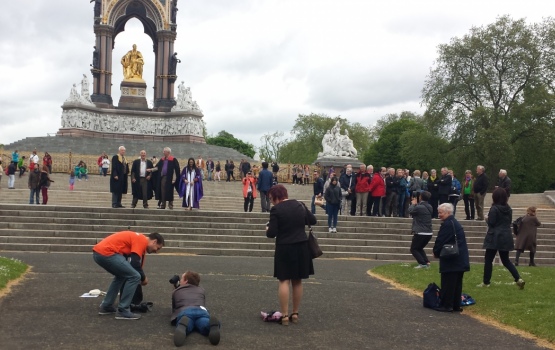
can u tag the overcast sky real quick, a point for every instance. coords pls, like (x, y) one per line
(252, 66)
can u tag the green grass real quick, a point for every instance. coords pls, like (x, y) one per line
(531, 309)
(10, 269)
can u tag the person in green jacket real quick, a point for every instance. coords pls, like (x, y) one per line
(468, 195)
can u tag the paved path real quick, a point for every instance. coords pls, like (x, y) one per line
(343, 308)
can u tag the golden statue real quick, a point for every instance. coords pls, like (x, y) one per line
(132, 63)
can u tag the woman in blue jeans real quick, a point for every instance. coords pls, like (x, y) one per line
(333, 202)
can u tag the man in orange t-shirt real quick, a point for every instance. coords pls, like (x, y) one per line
(122, 254)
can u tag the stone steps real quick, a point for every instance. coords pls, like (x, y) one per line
(77, 229)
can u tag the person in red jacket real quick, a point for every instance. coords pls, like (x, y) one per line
(249, 190)
(362, 188)
(377, 188)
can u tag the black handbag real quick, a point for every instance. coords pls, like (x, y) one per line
(450, 250)
(313, 245)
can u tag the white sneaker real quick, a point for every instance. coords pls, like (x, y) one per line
(334, 230)
(330, 230)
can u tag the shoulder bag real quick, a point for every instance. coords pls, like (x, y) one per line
(313, 245)
(450, 250)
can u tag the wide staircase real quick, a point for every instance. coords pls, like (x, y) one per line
(73, 221)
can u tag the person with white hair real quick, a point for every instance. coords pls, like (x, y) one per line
(118, 177)
(504, 182)
(480, 187)
(451, 268)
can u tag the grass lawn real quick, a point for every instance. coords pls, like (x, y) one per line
(531, 309)
(10, 269)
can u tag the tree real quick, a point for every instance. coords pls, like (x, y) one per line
(308, 132)
(387, 150)
(271, 146)
(225, 139)
(489, 92)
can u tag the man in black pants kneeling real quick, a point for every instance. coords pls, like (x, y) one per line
(189, 313)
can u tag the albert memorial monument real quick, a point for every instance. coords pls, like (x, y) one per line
(92, 113)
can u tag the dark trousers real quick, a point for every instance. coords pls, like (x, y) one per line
(391, 204)
(417, 246)
(469, 206)
(488, 264)
(434, 203)
(265, 201)
(401, 204)
(443, 198)
(369, 204)
(353, 206)
(249, 202)
(44, 191)
(116, 199)
(451, 290)
(382, 206)
(377, 205)
(144, 189)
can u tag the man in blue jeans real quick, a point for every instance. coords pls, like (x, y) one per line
(265, 179)
(189, 313)
(122, 254)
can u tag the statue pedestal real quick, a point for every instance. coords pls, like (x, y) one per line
(133, 96)
(338, 162)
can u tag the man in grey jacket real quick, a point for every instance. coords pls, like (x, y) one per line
(421, 228)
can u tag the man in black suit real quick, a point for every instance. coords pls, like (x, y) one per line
(118, 177)
(141, 186)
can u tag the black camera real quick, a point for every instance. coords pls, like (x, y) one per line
(175, 280)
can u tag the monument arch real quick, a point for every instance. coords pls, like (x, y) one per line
(92, 112)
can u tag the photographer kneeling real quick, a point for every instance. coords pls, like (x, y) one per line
(189, 313)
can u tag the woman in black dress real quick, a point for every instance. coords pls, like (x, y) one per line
(292, 260)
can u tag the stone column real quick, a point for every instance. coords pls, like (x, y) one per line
(163, 89)
(102, 76)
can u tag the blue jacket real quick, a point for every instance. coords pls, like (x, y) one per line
(265, 179)
(446, 235)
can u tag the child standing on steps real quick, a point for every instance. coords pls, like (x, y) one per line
(71, 180)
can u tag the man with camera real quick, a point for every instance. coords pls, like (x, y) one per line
(122, 254)
(189, 313)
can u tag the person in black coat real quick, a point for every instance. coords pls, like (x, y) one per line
(141, 184)
(118, 177)
(499, 237)
(444, 187)
(452, 269)
(333, 202)
(422, 232)
(504, 182)
(168, 173)
(433, 188)
(292, 259)
(480, 187)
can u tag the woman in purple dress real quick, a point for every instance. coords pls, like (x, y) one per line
(190, 185)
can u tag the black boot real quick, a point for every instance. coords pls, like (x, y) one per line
(214, 335)
(532, 263)
(517, 257)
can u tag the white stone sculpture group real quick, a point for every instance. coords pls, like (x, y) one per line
(184, 101)
(336, 145)
(83, 98)
(128, 124)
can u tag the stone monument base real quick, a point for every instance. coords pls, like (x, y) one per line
(338, 162)
(81, 120)
(133, 96)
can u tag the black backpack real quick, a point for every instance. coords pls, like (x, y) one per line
(517, 224)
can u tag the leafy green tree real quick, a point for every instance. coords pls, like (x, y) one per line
(225, 139)
(490, 93)
(387, 150)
